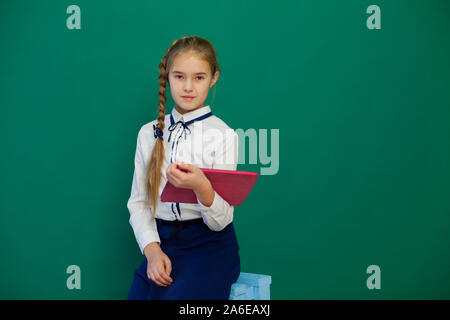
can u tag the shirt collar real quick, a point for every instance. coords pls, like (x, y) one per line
(191, 114)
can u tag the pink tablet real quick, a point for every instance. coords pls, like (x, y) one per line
(233, 186)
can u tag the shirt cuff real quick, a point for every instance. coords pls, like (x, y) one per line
(147, 237)
(218, 215)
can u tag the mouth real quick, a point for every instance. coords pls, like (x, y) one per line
(188, 97)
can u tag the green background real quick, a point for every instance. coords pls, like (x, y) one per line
(364, 124)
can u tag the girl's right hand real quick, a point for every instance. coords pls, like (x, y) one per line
(159, 265)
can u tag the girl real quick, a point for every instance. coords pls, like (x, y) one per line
(191, 250)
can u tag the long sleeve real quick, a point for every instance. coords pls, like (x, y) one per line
(144, 226)
(220, 213)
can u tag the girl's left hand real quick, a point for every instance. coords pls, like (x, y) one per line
(184, 175)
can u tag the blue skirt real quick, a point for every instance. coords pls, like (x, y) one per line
(205, 263)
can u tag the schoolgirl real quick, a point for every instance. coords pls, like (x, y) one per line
(191, 250)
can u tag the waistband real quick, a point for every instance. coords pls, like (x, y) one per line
(178, 222)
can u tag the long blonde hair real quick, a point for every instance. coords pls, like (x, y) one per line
(206, 51)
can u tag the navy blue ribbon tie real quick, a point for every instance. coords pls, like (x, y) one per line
(157, 132)
(173, 126)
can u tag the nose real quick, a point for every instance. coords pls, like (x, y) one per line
(188, 85)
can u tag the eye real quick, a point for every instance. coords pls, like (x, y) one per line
(178, 76)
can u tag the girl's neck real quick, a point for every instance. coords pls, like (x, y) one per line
(183, 111)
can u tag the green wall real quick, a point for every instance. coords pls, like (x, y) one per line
(363, 117)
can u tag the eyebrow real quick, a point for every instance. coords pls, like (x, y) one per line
(175, 71)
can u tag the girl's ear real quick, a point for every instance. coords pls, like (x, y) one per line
(214, 79)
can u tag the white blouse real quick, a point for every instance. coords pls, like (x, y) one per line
(204, 141)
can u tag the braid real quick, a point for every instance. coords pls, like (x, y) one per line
(157, 157)
(163, 76)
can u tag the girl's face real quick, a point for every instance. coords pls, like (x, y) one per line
(190, 80)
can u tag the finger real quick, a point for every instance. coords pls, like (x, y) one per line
(185, 167)
(177, 170)
(166, 276)
(160, 278)
(168, 265)
(172, 179)
(169, 170)
(169, 176)
(171, 167)
(177, 173)
(156, 280)
(168, 268)
(158, 271)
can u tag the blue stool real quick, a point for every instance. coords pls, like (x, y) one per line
(251, 286)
